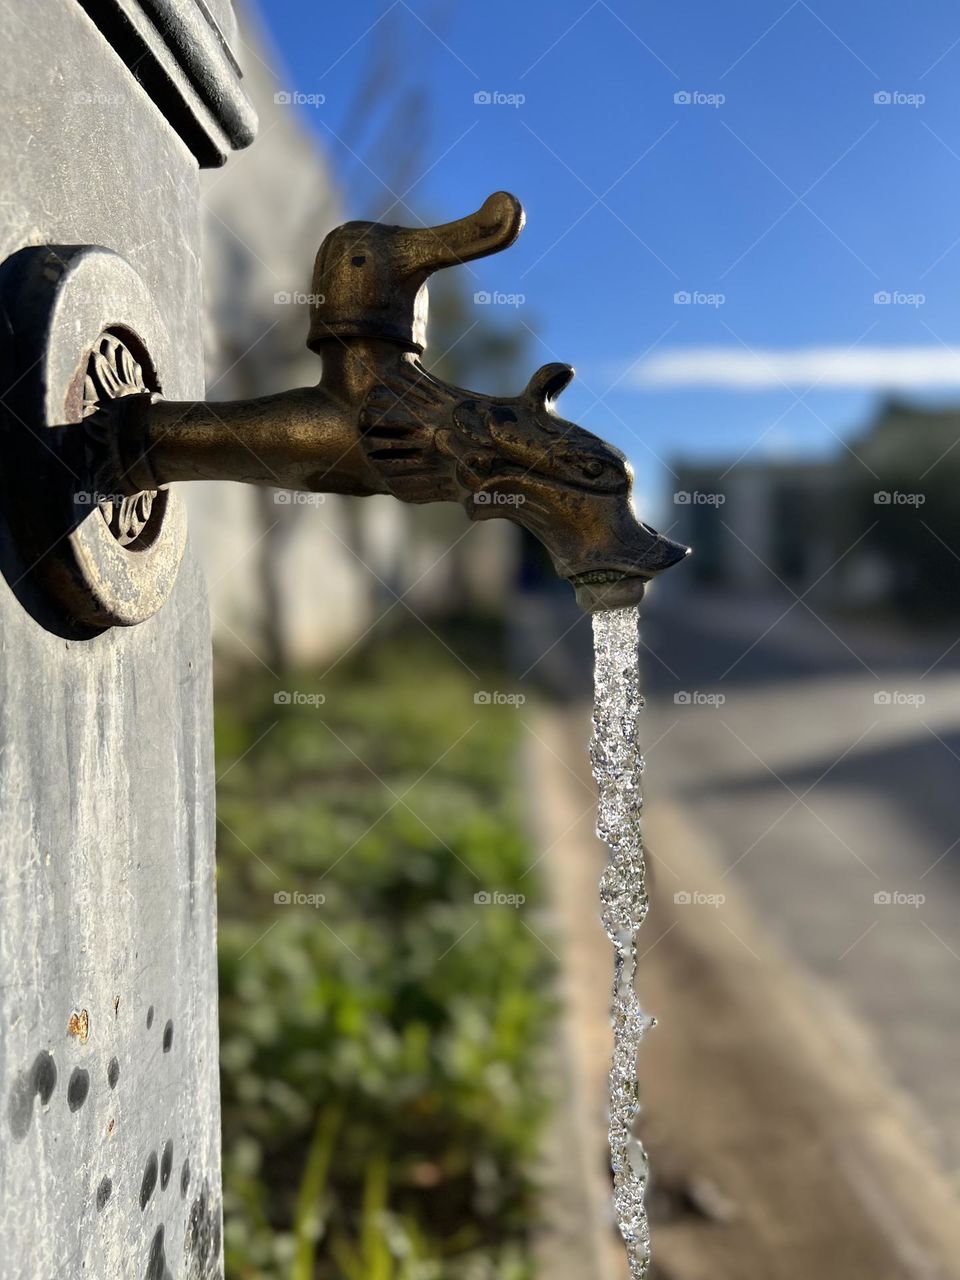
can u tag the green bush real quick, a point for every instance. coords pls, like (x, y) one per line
(382, 1094)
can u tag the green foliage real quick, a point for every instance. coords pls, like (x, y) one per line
(381, 1093)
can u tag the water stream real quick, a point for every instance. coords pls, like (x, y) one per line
(617, 766)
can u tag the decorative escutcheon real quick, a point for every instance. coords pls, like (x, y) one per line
(80, 330)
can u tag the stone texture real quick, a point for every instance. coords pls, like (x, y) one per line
(109, 1109)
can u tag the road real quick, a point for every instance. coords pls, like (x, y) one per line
(823, 759)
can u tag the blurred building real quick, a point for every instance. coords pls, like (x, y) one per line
(295, 578)
(749, 520)
(870, 526)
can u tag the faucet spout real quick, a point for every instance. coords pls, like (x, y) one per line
(379, 422)
(515, 457)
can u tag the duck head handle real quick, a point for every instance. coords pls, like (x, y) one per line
(370, 278)
(378, 422)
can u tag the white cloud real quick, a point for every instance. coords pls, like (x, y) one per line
(870, 368)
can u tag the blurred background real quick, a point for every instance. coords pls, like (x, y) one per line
(741, 231)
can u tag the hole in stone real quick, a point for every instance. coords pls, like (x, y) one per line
(78, 1088)
(149, 1182)
(166, 1164)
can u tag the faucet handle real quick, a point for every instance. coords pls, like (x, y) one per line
(369, 277)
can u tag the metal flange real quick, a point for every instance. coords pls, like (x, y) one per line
(80, 330)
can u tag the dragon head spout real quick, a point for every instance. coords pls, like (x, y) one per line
(515, 457)
(564, 484)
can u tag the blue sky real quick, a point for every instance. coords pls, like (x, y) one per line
(783, 196)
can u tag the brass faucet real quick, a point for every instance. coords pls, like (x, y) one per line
(378, 422)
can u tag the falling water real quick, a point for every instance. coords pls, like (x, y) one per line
(617, 766)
